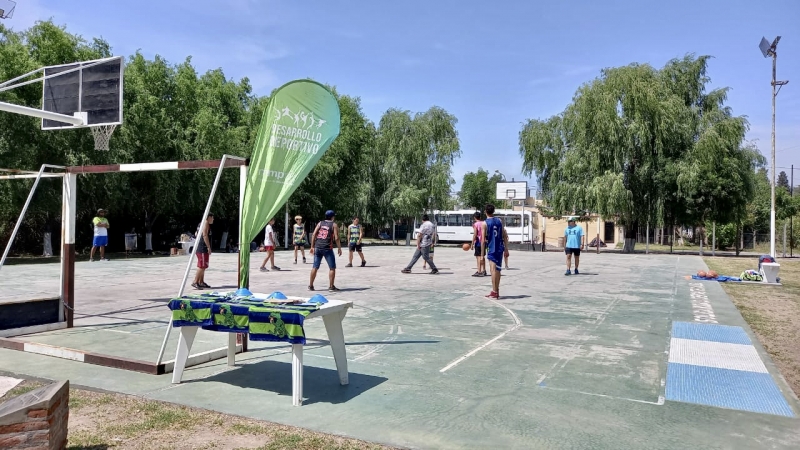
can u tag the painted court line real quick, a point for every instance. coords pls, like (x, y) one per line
(517, 324)
(659, 402)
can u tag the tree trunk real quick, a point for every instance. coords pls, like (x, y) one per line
(47, 243)
(148, 226)
(630, 238)
(738, 239)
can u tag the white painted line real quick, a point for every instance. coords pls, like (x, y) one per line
(146, 167)
(517, 324)
(721, 355)
(49, 350)
(659, 402)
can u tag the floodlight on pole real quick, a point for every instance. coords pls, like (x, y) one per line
(768, 50)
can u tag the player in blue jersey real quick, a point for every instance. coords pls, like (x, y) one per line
(574, 242)
(496, 247)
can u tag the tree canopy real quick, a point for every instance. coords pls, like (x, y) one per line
(645, 145)
(172, 112)
(478, 189)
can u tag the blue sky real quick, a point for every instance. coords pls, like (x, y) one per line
(493, 65)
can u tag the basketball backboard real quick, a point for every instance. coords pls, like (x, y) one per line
(7, 9)
(90, 89)
(515, 190)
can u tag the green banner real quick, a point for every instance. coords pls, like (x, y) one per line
(301, 121)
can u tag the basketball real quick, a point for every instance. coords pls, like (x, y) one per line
(466, 247)
(701, 274)
(712, 274)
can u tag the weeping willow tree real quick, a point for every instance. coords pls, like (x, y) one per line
(646, 146)
(418, 153)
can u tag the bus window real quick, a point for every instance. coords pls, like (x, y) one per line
(453, 220)
(527, 221)
(513, 221)
(466, 220)
(441, 220)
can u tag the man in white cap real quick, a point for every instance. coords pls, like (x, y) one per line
(573, 235)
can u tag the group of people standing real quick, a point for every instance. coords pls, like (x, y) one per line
(323, 240)
(489, 242)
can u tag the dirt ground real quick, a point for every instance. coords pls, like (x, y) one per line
(100, 421)
(773, 312)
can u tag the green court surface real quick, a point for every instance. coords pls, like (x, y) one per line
(559, 361)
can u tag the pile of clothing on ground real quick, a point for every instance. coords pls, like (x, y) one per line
(747, 275)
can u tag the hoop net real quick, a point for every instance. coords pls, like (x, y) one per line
(102, 136)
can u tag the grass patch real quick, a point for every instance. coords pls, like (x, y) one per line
(246, 428)
(86, 440)
(105, 421)
(151, 416)
(22, 388)
(773, 312)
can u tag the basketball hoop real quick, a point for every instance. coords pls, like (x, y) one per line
(102, 136)
(7, 9)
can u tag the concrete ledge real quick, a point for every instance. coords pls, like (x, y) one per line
(116, 362)
(37, 419)
(33, 329)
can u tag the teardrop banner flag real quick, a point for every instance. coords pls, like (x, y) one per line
(301, 121)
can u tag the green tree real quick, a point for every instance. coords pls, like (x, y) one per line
(645, 146)
(478, 189)
(340, 180)
(22, 144)
(419, 153)
(783, 180)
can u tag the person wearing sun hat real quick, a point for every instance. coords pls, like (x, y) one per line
(100, 227)
(573, 243)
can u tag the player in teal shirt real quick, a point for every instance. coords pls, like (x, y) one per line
(574, 242)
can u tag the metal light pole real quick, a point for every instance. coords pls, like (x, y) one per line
(768, 50)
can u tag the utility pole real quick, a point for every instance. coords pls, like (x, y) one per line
(768, 50)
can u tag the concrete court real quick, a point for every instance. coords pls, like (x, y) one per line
(558, 362)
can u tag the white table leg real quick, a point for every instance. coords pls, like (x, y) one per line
(333, 324)
(297, 374)
(231, 349)
(185, 340)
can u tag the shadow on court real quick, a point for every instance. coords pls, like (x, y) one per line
(319, 385)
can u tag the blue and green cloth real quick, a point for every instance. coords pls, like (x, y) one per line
(263, 320)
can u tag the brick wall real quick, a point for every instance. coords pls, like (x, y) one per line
(36, 420)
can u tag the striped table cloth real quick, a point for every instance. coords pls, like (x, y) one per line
(261, 319)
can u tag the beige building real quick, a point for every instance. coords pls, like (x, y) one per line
(551, 229)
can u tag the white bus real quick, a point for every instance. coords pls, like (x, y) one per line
(456, 226)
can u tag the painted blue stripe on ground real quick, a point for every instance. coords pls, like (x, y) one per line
(725, 388)
(710, 332)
